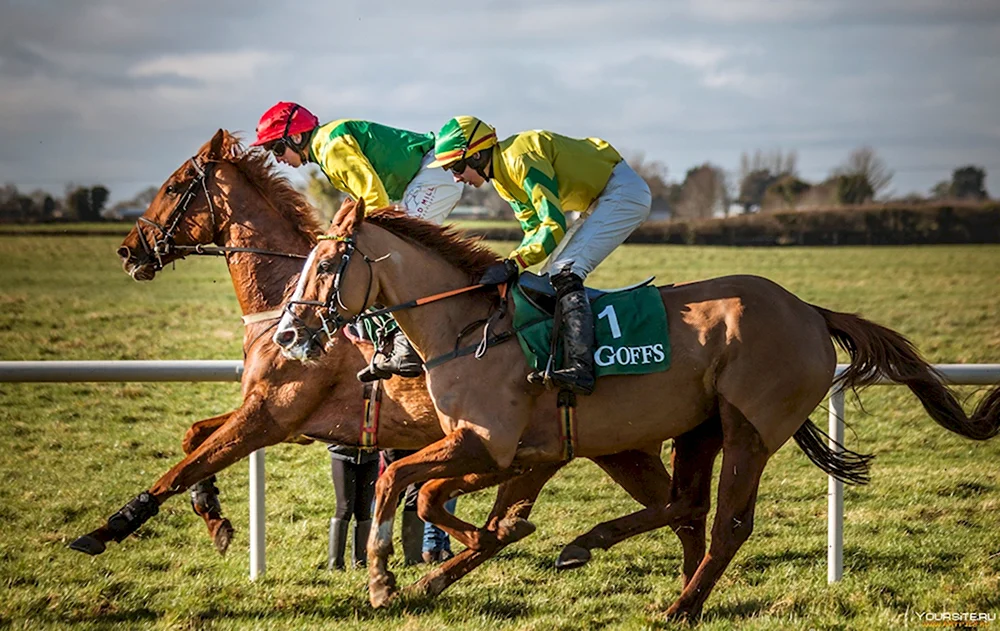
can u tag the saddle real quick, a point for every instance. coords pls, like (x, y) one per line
(539, 292)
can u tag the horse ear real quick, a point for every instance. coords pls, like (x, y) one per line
(359, 213)
(216, 146)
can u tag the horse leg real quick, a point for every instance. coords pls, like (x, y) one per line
(382, 584)
(248, 429)
(642, 475)
(682, 504)
(508, 518)
(458, 454)
(744, 456)
(204, 494)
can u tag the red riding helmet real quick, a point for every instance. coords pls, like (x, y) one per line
(283, 120)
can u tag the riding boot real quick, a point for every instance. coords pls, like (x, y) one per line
(402, 360)
(360, 551)
(337, 545)
(577, 332)
(413, 538)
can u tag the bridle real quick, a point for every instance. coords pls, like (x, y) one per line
(329, 311)
(164, 242)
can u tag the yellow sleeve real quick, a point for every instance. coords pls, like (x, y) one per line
(351, 172)
(542, 218)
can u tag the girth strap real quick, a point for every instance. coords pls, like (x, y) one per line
(373, 408)
(566, 402)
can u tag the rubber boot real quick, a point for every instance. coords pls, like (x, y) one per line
(577, 332)
(413, 538)
(360, 551)
(402, 360)
(337, 545)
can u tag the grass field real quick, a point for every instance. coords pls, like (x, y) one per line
(924, 536)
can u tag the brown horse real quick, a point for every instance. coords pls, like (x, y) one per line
(232, 198)
(748, 356)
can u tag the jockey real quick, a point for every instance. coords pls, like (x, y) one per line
(378, 164)
(543, 175)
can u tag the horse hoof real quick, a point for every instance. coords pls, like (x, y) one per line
(223, 536)
(88, 544)
(571, 557)
(514, 529)
(381, 590)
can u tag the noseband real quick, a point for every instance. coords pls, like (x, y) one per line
(164, 242)
(329, 311)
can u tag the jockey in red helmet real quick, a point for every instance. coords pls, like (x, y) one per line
(381, 165)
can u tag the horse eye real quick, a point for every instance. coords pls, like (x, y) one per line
(324, 266)
(170, 190)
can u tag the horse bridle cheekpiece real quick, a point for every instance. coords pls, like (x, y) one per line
(330, 310)
(164, 242)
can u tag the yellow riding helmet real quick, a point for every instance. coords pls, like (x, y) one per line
(461, 137)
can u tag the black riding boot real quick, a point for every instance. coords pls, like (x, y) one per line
(413, 538)
(337, 545)
(577, 332)
(360, 551)
(402, 360)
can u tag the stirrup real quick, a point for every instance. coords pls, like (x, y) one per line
(542, 377)
(580, 384)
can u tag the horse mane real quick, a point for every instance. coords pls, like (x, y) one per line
(469, 254)
(262, 173)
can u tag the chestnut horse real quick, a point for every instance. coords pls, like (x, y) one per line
(747, 356)
(232, 198)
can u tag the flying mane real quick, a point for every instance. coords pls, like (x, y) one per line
(263, 174)
(468, 254)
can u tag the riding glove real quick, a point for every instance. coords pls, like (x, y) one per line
(503, 272)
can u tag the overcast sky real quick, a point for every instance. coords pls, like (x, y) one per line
(119, 92)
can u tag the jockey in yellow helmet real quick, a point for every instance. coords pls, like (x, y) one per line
(543, 175)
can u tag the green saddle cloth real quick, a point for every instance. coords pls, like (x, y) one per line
(630, 327)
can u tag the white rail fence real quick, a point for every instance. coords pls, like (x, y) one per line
(226, 370)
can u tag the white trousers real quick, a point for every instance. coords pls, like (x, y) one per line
(616, 213)
(432, 193)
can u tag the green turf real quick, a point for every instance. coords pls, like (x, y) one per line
(924, 536)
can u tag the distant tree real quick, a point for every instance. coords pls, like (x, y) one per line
(968, 182)
(760, 171)
(865, 171)
(941, 190)
(322, 195)
(789, 190)
(86, 203)
(145, 197)
(703, 192)
(853, 189)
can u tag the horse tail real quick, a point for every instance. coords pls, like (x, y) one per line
(877, 351)
(848, 466)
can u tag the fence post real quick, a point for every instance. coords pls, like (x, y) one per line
(835, 494)
(257, 515)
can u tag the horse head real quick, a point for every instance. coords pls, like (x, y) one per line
(331, 291)
(183, 212)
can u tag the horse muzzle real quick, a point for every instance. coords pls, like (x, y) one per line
(296, 344)
(139, 270)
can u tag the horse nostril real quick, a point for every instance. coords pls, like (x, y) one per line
(124, 253)
(285, 338)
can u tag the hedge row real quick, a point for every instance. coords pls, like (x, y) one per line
(857, 225)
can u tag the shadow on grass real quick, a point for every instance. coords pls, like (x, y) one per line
(862, 559)
(745, 609)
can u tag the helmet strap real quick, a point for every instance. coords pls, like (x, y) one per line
(479, 161)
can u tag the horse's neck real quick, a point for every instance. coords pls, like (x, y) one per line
(413, 272)
(260, 280)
